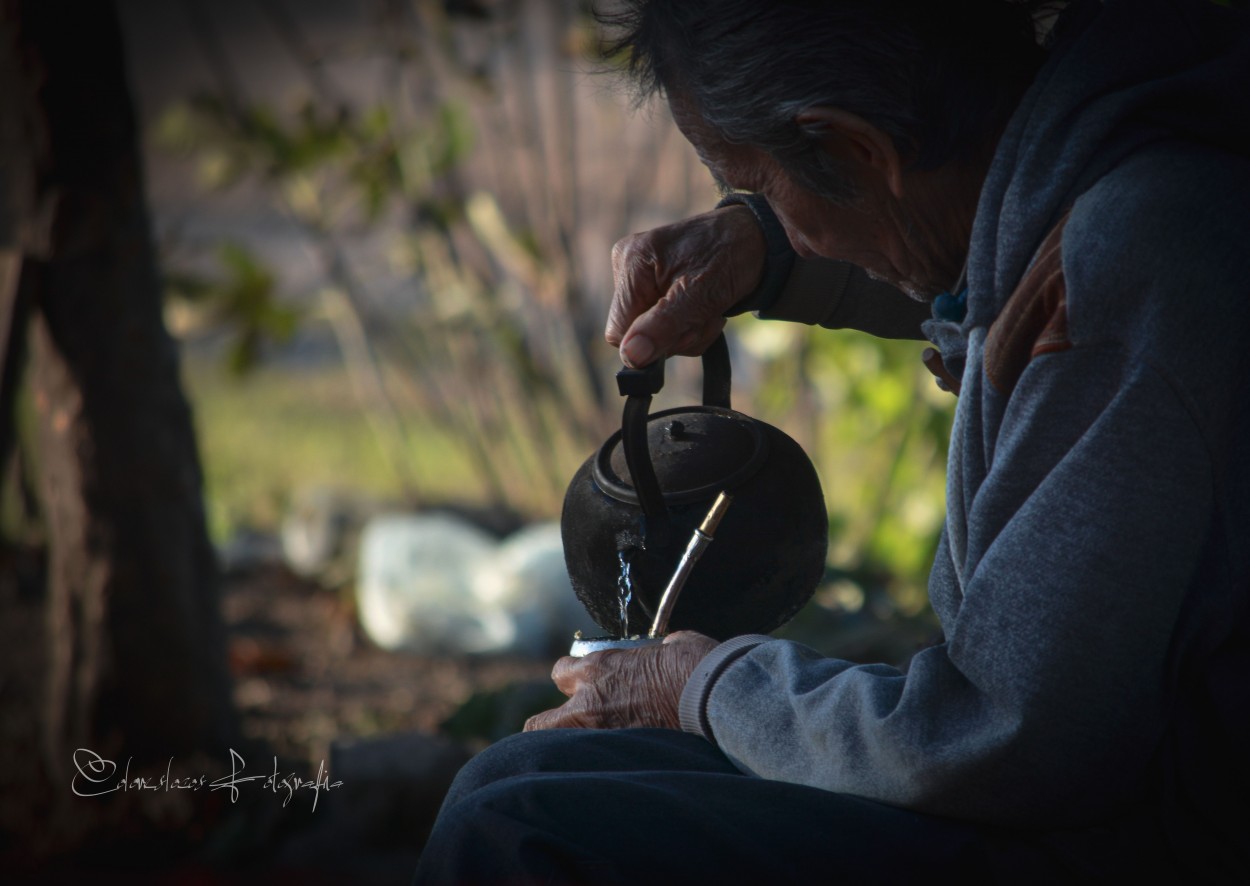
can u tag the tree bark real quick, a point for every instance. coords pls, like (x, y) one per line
(132, 641)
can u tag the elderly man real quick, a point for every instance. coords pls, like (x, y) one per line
(1076, 221)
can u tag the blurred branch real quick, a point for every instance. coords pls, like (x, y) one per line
(292, 37)
(482, 168)
(205, 30)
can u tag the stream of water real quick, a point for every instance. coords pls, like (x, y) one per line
(625, 591)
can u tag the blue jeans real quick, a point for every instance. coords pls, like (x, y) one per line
(658, 806)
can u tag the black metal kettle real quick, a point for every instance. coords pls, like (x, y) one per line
(635, 503)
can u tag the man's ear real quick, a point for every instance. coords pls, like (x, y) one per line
(853, 140)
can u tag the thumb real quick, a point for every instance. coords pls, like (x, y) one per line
(679, 323)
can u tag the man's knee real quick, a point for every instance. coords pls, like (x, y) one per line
(525, 827)
(484, 768)
(525, 752)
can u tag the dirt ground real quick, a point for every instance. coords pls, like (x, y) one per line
(308, 683)
(306, 676)
(314, 695)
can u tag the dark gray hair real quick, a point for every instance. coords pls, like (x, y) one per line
(938, 77)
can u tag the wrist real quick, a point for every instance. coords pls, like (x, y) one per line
(778, 258)
(692, 707)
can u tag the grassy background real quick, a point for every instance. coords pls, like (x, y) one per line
(280, 429)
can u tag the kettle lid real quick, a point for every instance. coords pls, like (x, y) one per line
(697, 451)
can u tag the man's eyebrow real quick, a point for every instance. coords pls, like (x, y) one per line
(723, 187)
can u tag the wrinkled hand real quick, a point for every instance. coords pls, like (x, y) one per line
(673, 284)
(617, 688)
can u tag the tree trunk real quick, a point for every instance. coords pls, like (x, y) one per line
(132, 649)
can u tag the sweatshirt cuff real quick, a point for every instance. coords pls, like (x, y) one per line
(778, 261)
(692, 709)
(812, 293)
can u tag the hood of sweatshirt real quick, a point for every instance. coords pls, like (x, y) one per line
(1121, 74)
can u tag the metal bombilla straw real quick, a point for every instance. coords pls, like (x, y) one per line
(699, 541)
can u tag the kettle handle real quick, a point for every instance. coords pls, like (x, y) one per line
(638, 386)
(717, 374)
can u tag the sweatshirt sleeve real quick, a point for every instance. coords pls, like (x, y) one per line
(824, 292)
(839, 295)
(1049, 695)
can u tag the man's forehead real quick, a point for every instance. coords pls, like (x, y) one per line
(733, 167)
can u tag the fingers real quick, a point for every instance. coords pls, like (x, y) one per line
(538, 721)
(618, 688)
(634, 283)
(688, 649)
(685, 321)
(672, 285)
(562, 717)
(576, 677)
(696, 341)
(652, 314)
(684, 637)
(568, 672)
(634, 288)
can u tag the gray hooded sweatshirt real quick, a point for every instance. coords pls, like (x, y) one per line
(1093, 579)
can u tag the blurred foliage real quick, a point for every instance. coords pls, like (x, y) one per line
(493, 384)
(490, 350)
(360, 158)
(272, 432)
(856, 617)
(244, 303)
(877, 428)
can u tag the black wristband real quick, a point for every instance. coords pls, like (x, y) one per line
(778, 262)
